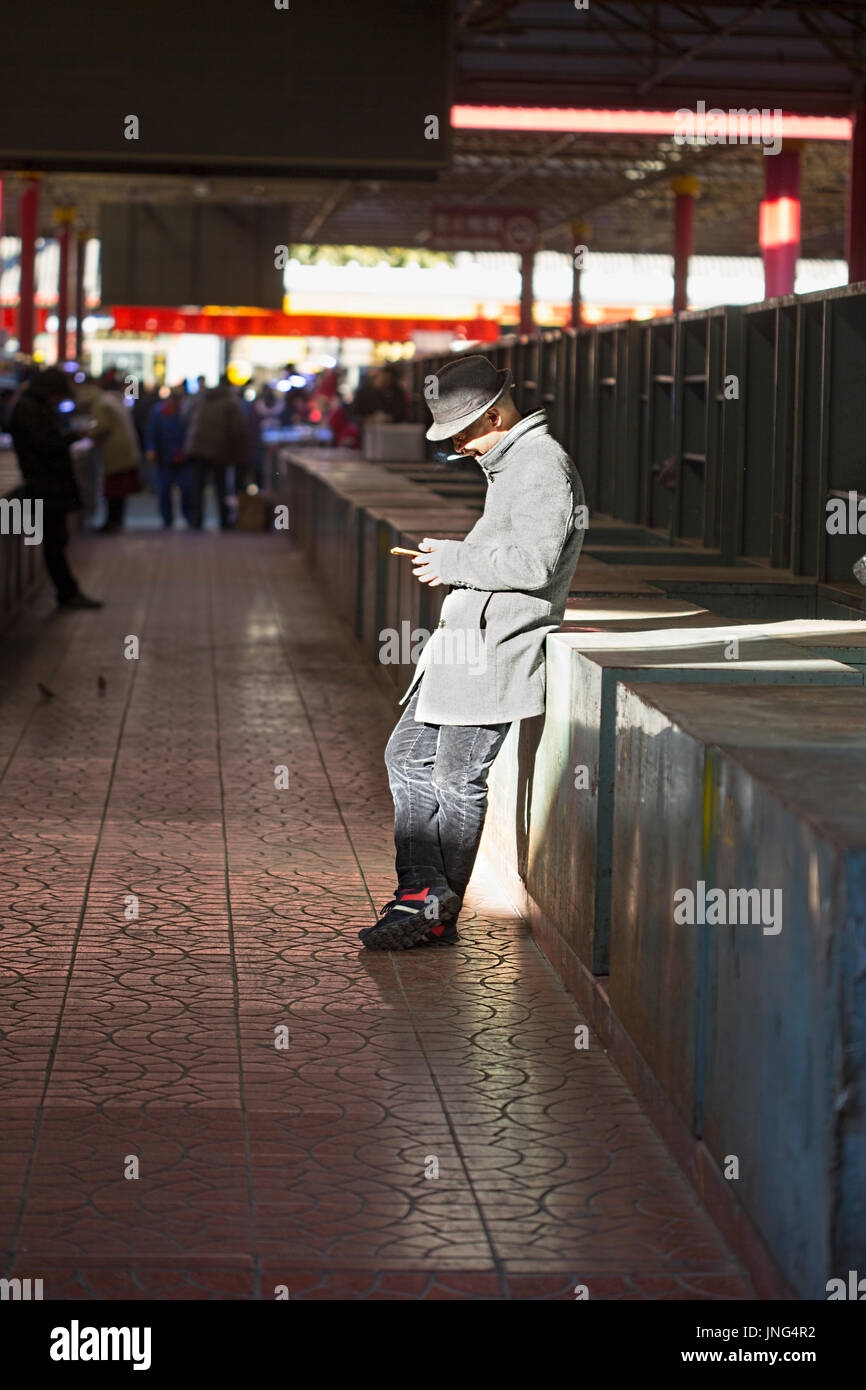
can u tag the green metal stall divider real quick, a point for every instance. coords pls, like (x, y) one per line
(730, 429)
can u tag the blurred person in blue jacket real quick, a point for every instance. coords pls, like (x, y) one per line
(166, 432)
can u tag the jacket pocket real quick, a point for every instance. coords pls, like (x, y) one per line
(465, 608)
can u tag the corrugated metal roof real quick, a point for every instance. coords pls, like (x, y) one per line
(806, 57)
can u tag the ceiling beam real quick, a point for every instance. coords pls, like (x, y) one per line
(672, 170)
(525, 165)
(832, 45)
(324, 210)
(616, 35)
(482, 14)
(667, 68)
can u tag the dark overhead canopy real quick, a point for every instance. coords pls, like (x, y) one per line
(222, 87)
(803, 55)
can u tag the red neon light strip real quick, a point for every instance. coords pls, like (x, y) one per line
(588, 121)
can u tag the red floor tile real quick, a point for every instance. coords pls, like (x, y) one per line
(152, 1034)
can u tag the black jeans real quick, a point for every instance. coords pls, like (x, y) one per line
(202, 469)
(438, 775)
(54, 542)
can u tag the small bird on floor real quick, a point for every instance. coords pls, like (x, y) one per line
(43, 690)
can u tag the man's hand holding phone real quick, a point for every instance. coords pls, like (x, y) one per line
(426, 565)
(425, 560)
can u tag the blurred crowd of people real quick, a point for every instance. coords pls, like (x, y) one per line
(171, 440)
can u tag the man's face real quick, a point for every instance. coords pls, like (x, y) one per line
(479, 437)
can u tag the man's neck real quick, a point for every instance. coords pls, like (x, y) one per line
(500, 434)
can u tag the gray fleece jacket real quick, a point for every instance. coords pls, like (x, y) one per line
(510, 578)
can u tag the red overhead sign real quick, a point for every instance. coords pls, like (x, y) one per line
(468, 227)
(139, 319)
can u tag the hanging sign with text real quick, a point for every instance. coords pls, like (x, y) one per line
(468, 227)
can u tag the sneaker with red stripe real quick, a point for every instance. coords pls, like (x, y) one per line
(412, 918)
(443, 934)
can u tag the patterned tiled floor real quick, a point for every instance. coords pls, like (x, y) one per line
(183, 996)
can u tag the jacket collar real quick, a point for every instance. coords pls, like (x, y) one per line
(500, 455)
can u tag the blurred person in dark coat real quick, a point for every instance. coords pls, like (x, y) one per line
(192, 398)
(46, 466)
(141, 411)
(380, 397)
(215, 442)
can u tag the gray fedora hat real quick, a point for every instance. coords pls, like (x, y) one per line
(465, 389)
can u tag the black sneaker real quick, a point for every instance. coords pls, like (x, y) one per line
(409, 918)
(443, 934)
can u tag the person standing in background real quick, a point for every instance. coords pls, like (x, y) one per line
(345, 431)
(46, 466)
(380, 397)
(193, 398)
(297, 397)
(166, 433)
(265, 412)
(114, 435)
(215, 442)
(140, 411)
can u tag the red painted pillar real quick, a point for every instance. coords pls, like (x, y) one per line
(856, 248)
(686, 189)
(28, 223)
(65, 218)
(780, 220)
(80, 248)
(527, 264)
